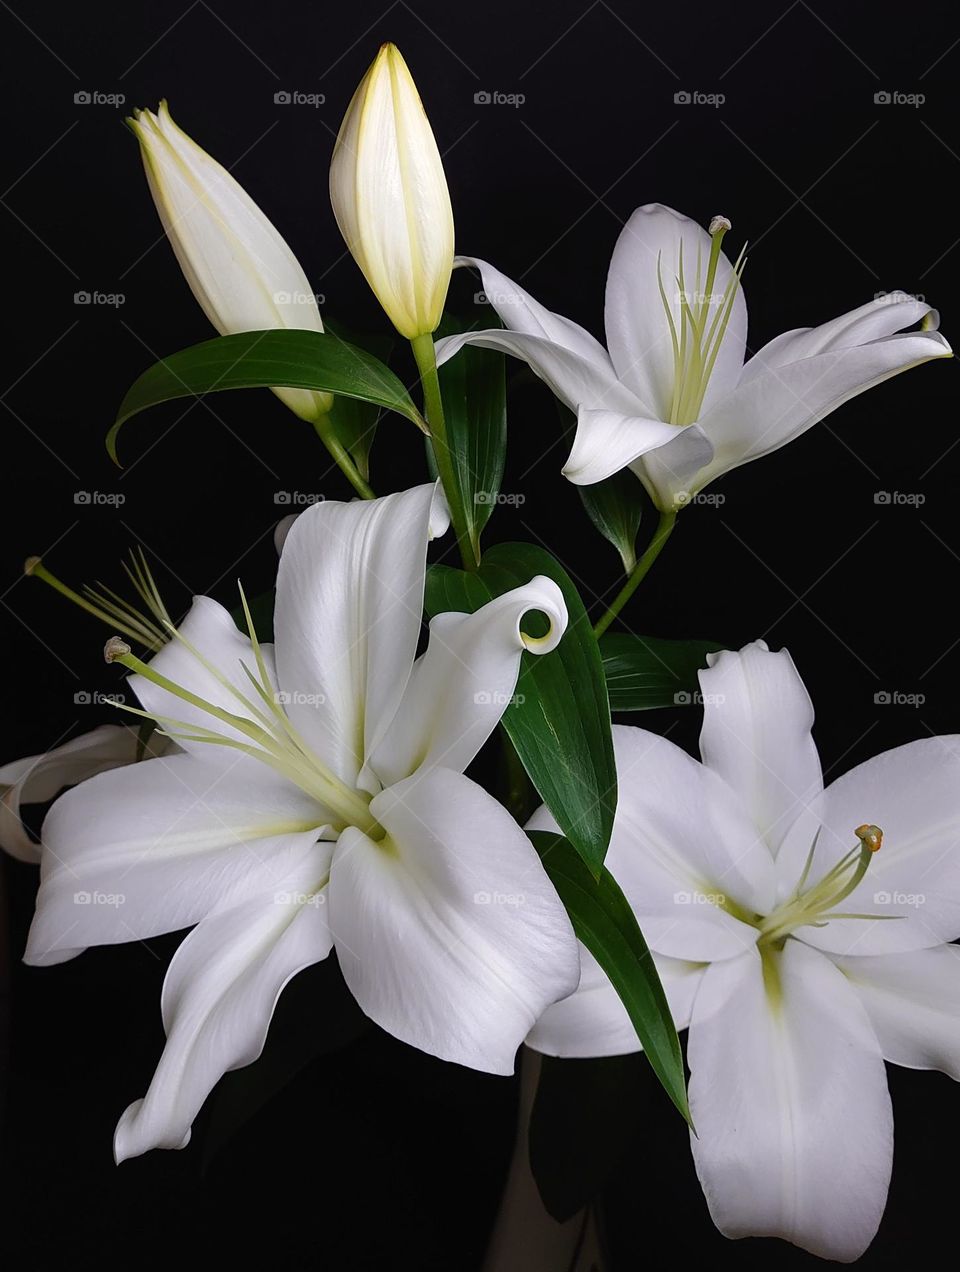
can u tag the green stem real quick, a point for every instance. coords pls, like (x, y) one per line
(426, 358)
(654, 548)
(341, 456)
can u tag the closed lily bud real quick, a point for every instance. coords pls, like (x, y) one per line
(239, 267)
(390, 196)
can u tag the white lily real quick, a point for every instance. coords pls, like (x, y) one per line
(39, 778)
(390, 196)
(799, 956)
(239, 267)
(319, 803)
(673, 399)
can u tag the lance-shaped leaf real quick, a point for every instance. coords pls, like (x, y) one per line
(645, 671)
(605, 923)
(355, 420)
(559, 719)
(267, 359)
(614, 505)
(473, 387)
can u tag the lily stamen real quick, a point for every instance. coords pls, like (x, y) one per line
(273, 739)
(697, 344)
(149, 629)
(816, 906)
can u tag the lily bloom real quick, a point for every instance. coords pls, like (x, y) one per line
(238, 265)
(319, 802)
(390, 196)
(671, 396)
(802, 935)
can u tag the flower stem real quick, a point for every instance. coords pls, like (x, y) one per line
(341, 456)
(654, 548)
(426, 358)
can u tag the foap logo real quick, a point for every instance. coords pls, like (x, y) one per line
(283, 698)
(98, 499)
(705, 498)
(912, 899)
(108, 300)
(699, 898)
(694, 698)
(294, 97)
(502, 300)
(895, 97)
(299, 298)
(499, 898)
(297, 498)
(488, 698)
(114, 899)
(300, 898)
(494, 97)
(94, 698)
(896, 698)
(694, 97)
(94, 97)
(899, 498)
(898, 297)
(499, 497)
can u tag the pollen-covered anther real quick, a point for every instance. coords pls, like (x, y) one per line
(114, 649)
(30, 564)
(870, 836)
(720, 225)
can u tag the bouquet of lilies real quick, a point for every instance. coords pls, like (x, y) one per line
(292, 780)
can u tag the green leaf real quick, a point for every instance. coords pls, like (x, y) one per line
(615, 505)
(354, 421)
(267, 359)
(646, 671)
(473, 388)
(559, 720)
(605, 923)
(586, 1117)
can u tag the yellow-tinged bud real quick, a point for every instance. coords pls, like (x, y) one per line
(390, 196)
(239, 267)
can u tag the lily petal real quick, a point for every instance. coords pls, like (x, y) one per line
(211, 631)
(877, 319)
(154, 847)
(38, 778)
(518, 311)
(349, 603)
(681, 862)
(607, 441)
(594, 1022)
(778, 403)
(461, 686)
(449, 933)
(219, 996)
(911, 794)
(757, 721)
(576, 380)
(788, 1093)
(638, 333)
(913, 1001)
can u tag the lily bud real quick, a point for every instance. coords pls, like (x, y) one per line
(239, 267)
(390, 196)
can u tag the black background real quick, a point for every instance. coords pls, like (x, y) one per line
(377, 1156)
